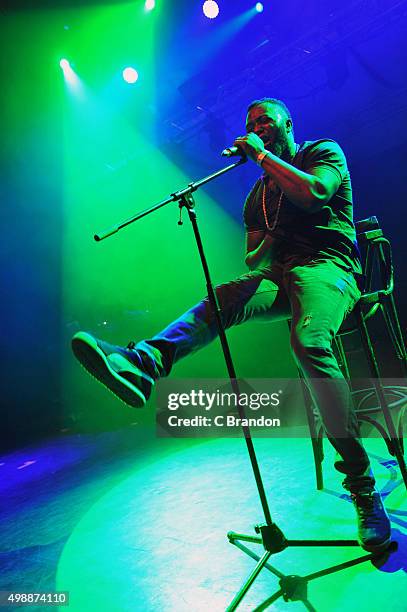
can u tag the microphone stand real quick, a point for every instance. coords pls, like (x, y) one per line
(292, 588)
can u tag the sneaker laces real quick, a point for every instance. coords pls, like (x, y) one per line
(144, 361)
(365, 505)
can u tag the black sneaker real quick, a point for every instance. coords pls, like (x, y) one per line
(120, 369)
(374, 531)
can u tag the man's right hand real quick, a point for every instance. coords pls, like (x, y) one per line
(259, 246)
(251, 144)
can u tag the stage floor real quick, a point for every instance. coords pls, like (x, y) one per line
(125, 521)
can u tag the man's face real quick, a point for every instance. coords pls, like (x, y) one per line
(269, 122)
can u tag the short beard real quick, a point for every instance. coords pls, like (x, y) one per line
(280, 146)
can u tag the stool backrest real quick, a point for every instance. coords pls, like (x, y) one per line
(376, 257)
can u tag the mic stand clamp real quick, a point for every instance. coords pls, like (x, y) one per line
(272, 537)
(187, 201)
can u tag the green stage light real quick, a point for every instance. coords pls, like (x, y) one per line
(70, 75)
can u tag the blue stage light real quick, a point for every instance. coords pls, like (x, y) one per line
(259, 7)
(210, 9)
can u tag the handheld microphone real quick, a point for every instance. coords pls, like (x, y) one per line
(233, 152)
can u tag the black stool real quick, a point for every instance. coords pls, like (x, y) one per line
(375, 404)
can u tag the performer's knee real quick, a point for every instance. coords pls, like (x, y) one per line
(309, 356)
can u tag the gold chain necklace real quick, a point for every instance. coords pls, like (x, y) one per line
(280, 199)
(265, 209)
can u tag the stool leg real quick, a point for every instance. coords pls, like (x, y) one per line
(401, 432)
(374, 371)
(393, 325)
(316, 438)
(342, 361)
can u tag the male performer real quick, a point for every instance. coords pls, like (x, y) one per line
(303, 261)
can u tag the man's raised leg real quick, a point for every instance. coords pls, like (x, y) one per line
(129, 372)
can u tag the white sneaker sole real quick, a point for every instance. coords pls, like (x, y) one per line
(113, 371)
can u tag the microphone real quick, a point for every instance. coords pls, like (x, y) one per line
(233, 152)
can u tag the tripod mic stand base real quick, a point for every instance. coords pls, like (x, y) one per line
(292, 587)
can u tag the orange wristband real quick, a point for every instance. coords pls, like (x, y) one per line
(260, 158)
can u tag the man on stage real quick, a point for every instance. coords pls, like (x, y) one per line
(304, 265)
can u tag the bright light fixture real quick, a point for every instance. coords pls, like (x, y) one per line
(65, 65)
(130, 75)
(210, 9)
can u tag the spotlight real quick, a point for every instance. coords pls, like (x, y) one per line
(70, 76)
(210, 9)
(65, 65)
(149, 5)
(259, 7)
(130, 75)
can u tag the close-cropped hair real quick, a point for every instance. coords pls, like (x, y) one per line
(273, 101)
